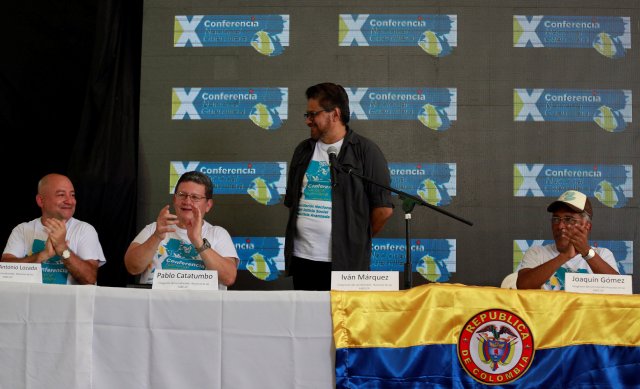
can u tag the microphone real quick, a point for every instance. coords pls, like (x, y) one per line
(333, 164)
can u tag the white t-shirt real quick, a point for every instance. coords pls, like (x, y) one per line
(176, 251)
(30, 237)
(313, 237)
(537, 255)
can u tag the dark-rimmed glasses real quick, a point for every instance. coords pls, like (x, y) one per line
(194, 197)
(312, 114)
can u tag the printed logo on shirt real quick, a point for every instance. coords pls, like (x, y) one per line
(435, 108)
(267, 34)
(265, 182)
(318, 181)
(433, 259)
(435, 183)
(53, 270)
(315, 202)
(265, 107)
(608, 35)
(622, 251)
(612, 185)
(557, 279)
(180, 255)
(609, 109)
(261, 256)
(437, 35)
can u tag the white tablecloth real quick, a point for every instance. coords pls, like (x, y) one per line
(55, 336)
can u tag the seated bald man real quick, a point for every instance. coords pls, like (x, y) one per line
(68, 249)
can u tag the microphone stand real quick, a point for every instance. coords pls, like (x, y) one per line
(409, 201)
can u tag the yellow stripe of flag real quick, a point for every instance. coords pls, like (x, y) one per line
(436, 313)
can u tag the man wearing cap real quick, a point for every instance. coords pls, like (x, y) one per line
(544, 267)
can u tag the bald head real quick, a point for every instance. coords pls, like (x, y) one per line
(56, 197)
(51, 179)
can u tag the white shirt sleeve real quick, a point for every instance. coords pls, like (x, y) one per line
(608, 257)
(221, 242)
(17, 242)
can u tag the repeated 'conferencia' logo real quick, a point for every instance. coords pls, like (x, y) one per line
(435, 183)
(608, 35)
(265, 182)
(437, 35)
(612, 185)
(267, 34)
(262, 256)
(435, 108)
(265, 107)
(609, 109)
(433, 259)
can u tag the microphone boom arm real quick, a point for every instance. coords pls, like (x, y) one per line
(408, 200)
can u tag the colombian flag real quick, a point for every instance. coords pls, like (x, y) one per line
(457, 336)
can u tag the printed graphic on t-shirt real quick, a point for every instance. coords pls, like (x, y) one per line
(316, 199)
(179, 255)
(556, 281)
(53, 270)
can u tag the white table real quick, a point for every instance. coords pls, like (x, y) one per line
(54, 336)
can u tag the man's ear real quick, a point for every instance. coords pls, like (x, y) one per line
(39, 200)
(338, 114)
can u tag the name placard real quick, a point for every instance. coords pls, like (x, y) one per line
(21, 272)
(364, 280)
(185, 279)
(597, 283)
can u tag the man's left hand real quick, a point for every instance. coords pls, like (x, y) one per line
(194, 228)
(57, 230)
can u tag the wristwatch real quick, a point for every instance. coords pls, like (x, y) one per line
(66, 254)
(205, 245)
(589, 255)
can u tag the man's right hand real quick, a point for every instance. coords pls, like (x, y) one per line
(165, 222)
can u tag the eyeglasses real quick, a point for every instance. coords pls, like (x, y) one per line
(312, 114)
(194, 197)
(568, 220)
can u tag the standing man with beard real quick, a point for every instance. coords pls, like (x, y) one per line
(67, 248)
(331, 222)
(544, 267)
(184, 240)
